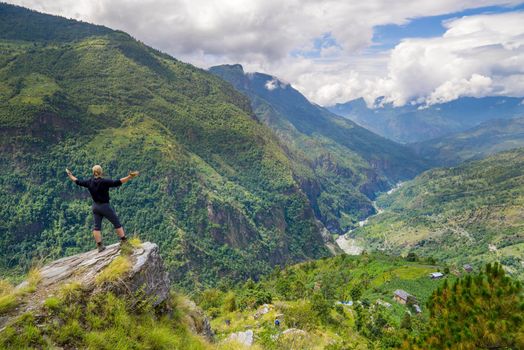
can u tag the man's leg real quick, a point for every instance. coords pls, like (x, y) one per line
(120, 232)
(110, 214)
(97, 230)
(98, 236)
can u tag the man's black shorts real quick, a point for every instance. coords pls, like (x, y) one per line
(104, 210)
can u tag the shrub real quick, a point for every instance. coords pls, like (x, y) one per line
(8, 302)
(211, 298)
(230, 302)
(253, 298)
(52, 303)
(70, 292)
(114, 271)
(300, 315)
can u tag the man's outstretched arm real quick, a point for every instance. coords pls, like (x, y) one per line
(70, 175)
(131, 175)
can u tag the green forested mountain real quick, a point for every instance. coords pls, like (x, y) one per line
(471, 213)
(346, 164)
(486, 139)
(218, 193)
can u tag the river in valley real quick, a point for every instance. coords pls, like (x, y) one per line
(350, 245)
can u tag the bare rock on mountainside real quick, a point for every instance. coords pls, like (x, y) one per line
(141, 273)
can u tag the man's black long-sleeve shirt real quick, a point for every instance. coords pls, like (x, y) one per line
(99, 188)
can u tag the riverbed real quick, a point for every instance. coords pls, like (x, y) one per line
(349, 245)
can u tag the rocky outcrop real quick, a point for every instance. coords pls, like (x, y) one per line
(245, 338)
(196, 319)
(145, 277)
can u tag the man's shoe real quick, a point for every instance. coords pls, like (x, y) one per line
(123, 241)
(101, 247)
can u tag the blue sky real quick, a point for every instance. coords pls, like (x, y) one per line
(388, 36)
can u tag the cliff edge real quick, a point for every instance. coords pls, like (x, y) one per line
(136, 272)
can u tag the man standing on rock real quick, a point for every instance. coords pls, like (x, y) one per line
(99, 189)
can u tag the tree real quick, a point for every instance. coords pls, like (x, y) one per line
(411, 257)
(356, 292)
(406, 322)
(320, 306)
(230, 302)
(481, 312)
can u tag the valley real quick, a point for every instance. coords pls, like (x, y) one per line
(468, 214)
(347, 166)
(260, 219)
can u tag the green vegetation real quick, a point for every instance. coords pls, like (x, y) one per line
(115, 270)
(484, 311)
(309, 297)
(472, 311)
(104, 321)
(342, 165)
(468, 214)
(7, 303)
(218, 192)
(11, 297)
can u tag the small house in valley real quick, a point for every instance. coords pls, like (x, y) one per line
(436, 275)
(468, 268)
(401, 296)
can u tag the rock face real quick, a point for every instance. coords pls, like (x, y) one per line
(147, 271)
(145, 276)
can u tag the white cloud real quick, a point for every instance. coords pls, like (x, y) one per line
(271, 84)
(478, 85)
(477, 56)
(264, 34)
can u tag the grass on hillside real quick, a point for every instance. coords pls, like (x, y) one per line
(103, 321)
(74, 318)
(11, 297)
(114, 271)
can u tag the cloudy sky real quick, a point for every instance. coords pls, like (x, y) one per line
(334, 50)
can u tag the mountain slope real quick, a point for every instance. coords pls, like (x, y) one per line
(341, 302)
(346, 164)
(416, 123)
(468, 214)
(486, 139)
(217, 192)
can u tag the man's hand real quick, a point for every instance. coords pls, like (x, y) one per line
(70, 175)
(131, 175)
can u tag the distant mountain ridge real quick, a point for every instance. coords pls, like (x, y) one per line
(416, 123)
(483, 140)
(349, 163)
